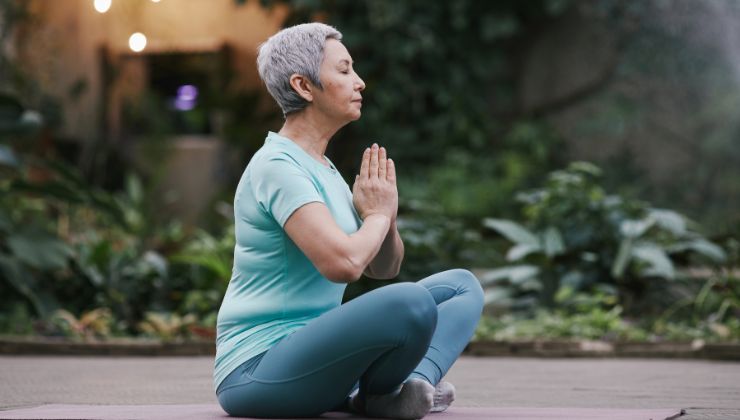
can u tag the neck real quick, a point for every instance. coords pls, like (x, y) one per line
(309, 131)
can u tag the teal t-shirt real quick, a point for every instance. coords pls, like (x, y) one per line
(274, 288)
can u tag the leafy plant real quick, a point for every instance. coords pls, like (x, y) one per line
(597, 324)
(96, 323)
(709, 302)
(16, 318)
(167, 326)
(575, 234)
(204, 267)
(28, 248)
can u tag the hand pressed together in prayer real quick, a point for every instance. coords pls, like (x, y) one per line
(375, 190)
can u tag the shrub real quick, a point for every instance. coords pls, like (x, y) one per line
(575, 234)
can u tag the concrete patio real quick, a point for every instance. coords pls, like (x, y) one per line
(706, 389)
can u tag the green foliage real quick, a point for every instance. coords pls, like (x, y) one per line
(711, 303)
(597, 324)
(439, 75)
(575, 234)
(434, 242)
(28, 247)
(597, 316)
(102, 255)
(202, 273)
(15, 317)
(468, 186)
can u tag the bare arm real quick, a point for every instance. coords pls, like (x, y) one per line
(387, 262)
(338, 256)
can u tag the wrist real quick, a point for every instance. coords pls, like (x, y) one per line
(377, 215)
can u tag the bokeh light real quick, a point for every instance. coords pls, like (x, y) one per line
(137, 42)
(102, 6)
(186, 98)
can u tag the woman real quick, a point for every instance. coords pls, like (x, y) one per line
(286, 346)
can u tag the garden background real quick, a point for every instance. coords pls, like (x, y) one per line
(581, 157)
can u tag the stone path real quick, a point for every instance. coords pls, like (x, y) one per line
(709, 390)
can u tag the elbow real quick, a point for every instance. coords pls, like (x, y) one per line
(385, 272)
(342, 270)
(393, 270)
(388, 275)
(396, 270)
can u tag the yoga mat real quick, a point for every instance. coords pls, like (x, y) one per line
(214, 412)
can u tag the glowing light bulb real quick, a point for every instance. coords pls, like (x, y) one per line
(156, 1)
(137, 42)
(102, 6)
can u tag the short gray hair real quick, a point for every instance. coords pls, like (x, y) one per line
(298, 49)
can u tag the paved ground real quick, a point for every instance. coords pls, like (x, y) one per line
(710, 390)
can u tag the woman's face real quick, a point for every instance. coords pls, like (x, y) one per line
(340, 98)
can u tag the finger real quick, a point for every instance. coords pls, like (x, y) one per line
(374, 161)
(382, 162)
(365, 165)
(391, 171)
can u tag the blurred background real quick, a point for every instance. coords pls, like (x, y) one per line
(581, 157)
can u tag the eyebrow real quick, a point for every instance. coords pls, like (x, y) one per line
(345, 61)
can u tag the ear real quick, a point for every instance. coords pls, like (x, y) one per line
(303, 86)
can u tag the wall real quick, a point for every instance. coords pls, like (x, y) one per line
(60, 48)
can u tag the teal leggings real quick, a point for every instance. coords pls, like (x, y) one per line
(376, 341)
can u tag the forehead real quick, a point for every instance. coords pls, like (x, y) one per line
(335, 52)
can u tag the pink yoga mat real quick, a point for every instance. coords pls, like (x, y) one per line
(213, 411)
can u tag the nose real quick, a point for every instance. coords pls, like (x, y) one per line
(359, 83)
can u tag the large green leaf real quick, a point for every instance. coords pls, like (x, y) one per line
(659, 264)
(669, 220)
(24, 283)
(213, 262)
(635, 228)
(7, 157)
(623, 258)
(512, 231)
(517, 252)
(39, 249)
(497, 295)
(702, 247)
(515, 274)
(52, 189)
(552, 242)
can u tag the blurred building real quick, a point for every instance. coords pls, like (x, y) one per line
(140, 72)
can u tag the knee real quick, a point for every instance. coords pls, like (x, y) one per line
(413, 305)
(470, 286)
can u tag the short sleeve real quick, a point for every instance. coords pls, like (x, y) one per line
(281, 187)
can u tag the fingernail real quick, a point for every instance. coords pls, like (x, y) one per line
(375, 145)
